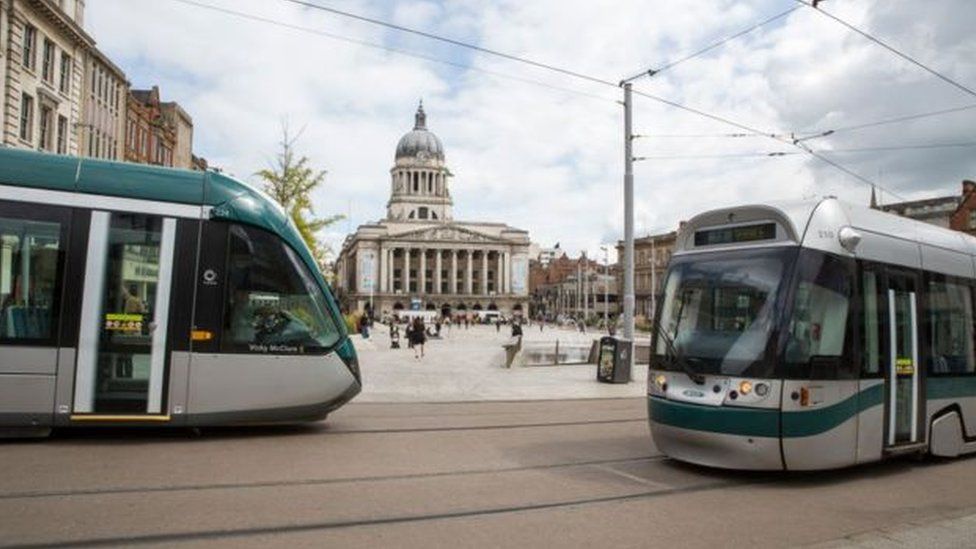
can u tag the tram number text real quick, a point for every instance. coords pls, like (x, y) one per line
(825, 234)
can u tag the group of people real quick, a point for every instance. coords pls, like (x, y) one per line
(416, 333)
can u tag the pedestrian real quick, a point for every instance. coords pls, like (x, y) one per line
(516, 329)
(437, 327)
(418, 337)
(498, 325)
(394, 336)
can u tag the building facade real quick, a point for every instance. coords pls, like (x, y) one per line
(651, 256)
(102, 130)
(964, 218)
(419, 257)
(935, 211)
(43, 50)
(182, 125)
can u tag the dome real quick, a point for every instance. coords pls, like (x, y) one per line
(420, 143)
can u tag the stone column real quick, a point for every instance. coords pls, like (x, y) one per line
(508, 272)
(381, 268)
(484, 272)
(469, 275)
(453, 276)
(406, 271)
(422, 275)
(437, 272)
(500, 275)
(389, 265)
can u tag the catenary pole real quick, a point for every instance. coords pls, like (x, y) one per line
(628, 258)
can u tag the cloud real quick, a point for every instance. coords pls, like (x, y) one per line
(551, 161)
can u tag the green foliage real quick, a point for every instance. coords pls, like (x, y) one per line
(290, 182)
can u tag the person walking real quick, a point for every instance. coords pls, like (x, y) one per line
(418, 336)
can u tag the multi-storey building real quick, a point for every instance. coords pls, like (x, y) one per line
(651, 256)
(102, 131)
(150, 138)
(182, 125)
(42, 46)
(420, 257)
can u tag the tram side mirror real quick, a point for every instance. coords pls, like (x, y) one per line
(824, 367)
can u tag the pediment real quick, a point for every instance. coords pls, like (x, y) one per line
(447, 233)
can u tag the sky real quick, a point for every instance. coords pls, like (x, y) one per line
(543, 151)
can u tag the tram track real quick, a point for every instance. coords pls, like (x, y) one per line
(316, 482)
(215, 534)
(483, 427)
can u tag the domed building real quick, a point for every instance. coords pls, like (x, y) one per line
(419, 257)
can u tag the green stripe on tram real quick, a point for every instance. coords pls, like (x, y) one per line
(950, 387)
(815, 422)
(761, 422)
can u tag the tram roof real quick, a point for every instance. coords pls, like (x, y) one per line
(805, 219)
(230, 199)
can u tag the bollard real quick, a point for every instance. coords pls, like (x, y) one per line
(555, 357)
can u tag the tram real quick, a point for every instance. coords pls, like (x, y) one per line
(814, 335)
(137, 295)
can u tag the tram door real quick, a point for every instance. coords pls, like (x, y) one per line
(122, 348)
(903, 371)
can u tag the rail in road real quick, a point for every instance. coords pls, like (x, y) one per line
(569, 473)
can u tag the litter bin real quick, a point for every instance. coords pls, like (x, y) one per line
(613, 361)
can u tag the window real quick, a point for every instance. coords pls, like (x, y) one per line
(47, 64)
(875, 322)
(422, 213)
(47, 124)
(26, 117)
(950, 327)
(972, 219)
(62, 135)
(29, 50)
(817, 329)
(65, 84)
(30, 258)
(274, 304)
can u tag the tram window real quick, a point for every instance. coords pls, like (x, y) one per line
(818, 327)
(874, 324)
(274, 304)
(30, 254)
(950, 327)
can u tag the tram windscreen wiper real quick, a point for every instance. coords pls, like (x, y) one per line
(675, 356)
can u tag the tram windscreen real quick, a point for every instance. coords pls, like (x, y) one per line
(720, 310)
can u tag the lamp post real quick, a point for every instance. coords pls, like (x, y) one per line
(606, 289)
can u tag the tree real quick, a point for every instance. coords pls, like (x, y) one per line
(291, 182)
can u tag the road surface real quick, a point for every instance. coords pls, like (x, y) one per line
(569, 473)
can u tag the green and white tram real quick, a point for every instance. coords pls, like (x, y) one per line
(139, 295)
(814, 336)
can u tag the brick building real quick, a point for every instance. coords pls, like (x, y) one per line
(964, 217)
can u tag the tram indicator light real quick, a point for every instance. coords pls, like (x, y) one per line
(201, 335)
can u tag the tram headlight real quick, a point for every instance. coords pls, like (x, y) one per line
(660, 380)
(762, 389)
(745, 387)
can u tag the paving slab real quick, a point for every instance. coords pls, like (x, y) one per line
(468, 365)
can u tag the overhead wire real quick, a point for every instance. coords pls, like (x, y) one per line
(451, 41)
(817, 151)
(854, 127)
(722, 42)
(893, 50)
(365, 43)
(546, 66)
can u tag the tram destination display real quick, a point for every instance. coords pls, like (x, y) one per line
(732, 235)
